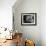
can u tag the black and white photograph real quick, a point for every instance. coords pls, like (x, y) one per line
(28, 18)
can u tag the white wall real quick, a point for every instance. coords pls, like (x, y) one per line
(43, 22)
(29, 32)
(6, 13)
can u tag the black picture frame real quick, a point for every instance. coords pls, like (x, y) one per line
(29, 19)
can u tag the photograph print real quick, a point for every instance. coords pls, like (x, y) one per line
(28, 19)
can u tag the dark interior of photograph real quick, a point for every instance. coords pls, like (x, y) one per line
(28, 19)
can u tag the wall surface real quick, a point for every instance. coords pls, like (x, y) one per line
(6, 16)
(29, 32)
(6, 13)
(43, 22)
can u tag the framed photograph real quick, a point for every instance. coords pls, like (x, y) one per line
(28, 18)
